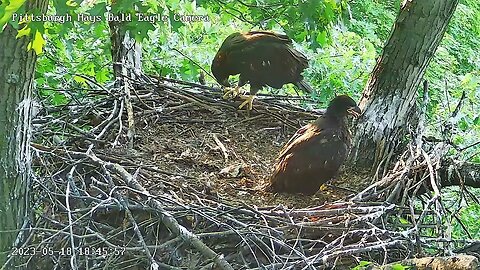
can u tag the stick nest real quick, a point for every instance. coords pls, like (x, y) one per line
(182, 188)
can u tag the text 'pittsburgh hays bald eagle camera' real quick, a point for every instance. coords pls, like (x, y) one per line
(315, 153)
(261, 58)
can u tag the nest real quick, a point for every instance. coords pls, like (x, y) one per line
(164, 174)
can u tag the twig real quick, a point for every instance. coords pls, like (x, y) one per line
(73, 258)
(221, 146)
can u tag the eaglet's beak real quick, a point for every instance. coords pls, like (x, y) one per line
(354, 111)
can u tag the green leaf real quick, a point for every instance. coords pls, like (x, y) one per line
(7, 9)
(59, 99)
(476, 121)
(140, 29)
(403, 221)
(25, 31)
(322, 38)
(399, 267)
(361, 265)
(102, 75)
(174, 22)
(98, 9)
(329, 12)
(37, 43)
(364, 263)
(73, 3)
(79, 80)
(61, 7)
(463, 124)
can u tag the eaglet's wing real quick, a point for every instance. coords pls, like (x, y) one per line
(272, 46)
(311, 158)
(298, 139)
(318, 143)
(264, 60)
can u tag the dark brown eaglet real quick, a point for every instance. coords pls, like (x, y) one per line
(261, 58)
(315, 153)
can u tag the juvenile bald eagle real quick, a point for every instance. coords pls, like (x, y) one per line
(315, 153)
(261, 58)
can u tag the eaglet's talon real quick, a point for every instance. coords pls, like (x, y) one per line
(323, 188)
(249, 101)
(231, 92)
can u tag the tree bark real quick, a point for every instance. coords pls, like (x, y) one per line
(126, 58)
(388, 101)
(17, 68)
(126, 52)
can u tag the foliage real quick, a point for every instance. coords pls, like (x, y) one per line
(342, 67)
(372, 19)
(398, 266)
(362, 265)
(367, 265)
(301, 20)
(454, 69)
(469, 215)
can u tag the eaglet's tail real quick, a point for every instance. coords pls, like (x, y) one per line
(304, 86)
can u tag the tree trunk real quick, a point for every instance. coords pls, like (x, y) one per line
(126, 58)
(17, 68)
(389, 98)
(126, 52)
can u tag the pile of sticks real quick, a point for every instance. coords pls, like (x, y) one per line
(90, 210)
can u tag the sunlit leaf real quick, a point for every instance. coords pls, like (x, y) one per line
(37, 43)
(7, 9)
(403, 221)
(79, 79)
(362, 265)
(25, 31)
